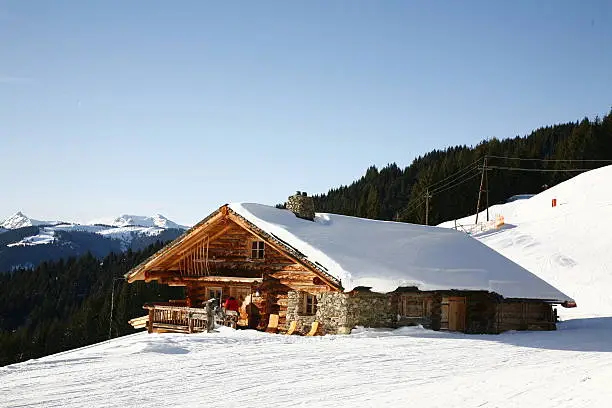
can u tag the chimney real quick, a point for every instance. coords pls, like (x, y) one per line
(301, 205)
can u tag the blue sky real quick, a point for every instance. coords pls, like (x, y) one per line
(179, 107)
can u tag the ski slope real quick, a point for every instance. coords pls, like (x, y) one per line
(571, 367)
(569, 245)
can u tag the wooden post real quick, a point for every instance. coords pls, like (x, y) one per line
(487, 187)
(151, 317)
(482, 176)
(427, 197)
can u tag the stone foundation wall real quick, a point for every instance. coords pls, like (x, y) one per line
(338, 313)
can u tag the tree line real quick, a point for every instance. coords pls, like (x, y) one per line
(393, 193)
(66, 304)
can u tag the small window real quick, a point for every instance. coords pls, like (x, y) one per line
(257, 250)
(214, 293)
(310, 304)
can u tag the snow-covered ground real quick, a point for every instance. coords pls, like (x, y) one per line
(569, 245)
(571, 367)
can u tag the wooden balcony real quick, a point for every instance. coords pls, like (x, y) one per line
(168, 318)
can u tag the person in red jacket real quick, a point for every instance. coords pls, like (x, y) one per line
(231, 304)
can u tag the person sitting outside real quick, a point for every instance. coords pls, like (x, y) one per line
(231, 304)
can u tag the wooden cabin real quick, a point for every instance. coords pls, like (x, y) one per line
(272, 269)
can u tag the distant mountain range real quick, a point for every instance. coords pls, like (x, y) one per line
(26, 242)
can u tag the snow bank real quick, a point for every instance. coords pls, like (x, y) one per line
(387, 255)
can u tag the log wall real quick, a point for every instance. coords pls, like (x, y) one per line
(229, 255)
(527, 315)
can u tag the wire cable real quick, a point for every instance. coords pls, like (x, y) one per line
(454, 180)
(542, 170)
(550, 160)
(438, 191)
(410, 208)
(458, 171)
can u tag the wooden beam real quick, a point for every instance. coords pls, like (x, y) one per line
(168, 251)
(171, 261)
(182, 281)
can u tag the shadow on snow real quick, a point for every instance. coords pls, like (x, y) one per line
(587, 335)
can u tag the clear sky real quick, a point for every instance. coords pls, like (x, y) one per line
(177, 107)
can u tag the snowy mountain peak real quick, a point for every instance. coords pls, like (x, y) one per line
(126, 220)
(19, 220)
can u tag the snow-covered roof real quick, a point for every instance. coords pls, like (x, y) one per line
(386, 255)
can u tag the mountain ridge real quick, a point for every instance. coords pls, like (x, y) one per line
(26, 242)
(20, 220)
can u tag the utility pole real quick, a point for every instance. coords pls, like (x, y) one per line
(487, 188)
(110, 320)
(427, 197)
(482, 178)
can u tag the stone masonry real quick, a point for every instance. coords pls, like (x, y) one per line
(338, 312)
(301, 205)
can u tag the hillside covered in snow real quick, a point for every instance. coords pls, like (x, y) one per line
(566, 244)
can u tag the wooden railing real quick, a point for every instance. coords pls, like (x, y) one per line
(176, 318)
(169, 318)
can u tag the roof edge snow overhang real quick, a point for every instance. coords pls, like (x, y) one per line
(414, 289)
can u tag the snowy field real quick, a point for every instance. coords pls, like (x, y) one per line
(571, 367)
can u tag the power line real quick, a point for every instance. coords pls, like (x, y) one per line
(440, 190)
(411, 208)
(433, 187)
(542, 170)
(447, 186)
(417, 204)
(550, 160)
(457, 172)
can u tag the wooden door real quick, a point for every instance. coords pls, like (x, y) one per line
(456, 313)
